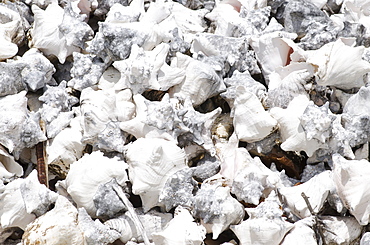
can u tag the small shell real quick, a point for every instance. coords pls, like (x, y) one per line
(153, 221)
(350, 178)
(145, 70)
(251, 121)
(216, 208)
(180, 230)
(331, 72)
(11, 32)
(201, 81)
(58, 226)
(85, 176)
(151, 162)
(102, 110)
(265, 225)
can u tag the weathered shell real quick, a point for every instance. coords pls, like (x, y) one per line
(301, 232)
(316, 189)
(22, 200)
(20, 128)
(351, 183)
(201, 81)
(145, 70)
(216, 208)
(11, 32)
(56, 110)
(85, 176)
(57, 31)
(152, 221)
(331, 72)
(254, 181)
(251, 121)
(65, 148)
(86, 70)
(180, 230)
(94, 232)
(58, 226)
(341, 230)
(151, 162)
(288, 82)
(292, 133)
(265, 225)
(102, 110)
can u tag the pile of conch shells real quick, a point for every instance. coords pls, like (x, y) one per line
(184, 122)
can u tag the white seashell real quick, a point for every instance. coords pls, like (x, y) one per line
(56, 110)
(301, 233)
(22, 200)
(58, 226)
(151, 162)
(341, 230)
(65, 148)
(254, 181)
(273, 51)
(242, 79)
(125, 14)
(102, 110)
(58, 31)
(181, 230)
(265, 225)
(198, 125)
(287, 82)
(153, 221)
(9, 168)
(94, 232)
(150, 123)
(20, 128)
(215, 207)
(350, 181)
(85, 176)
(330, 70)
(292, 133)
(201, 81)
(145, 70)
(251, 121)
(234, 51)
(11, 32)
(316, 189)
